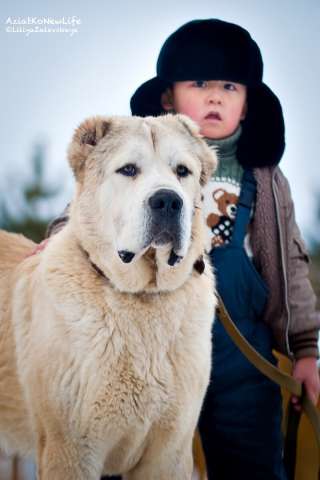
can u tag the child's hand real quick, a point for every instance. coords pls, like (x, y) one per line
(38, 248)
(305, 370)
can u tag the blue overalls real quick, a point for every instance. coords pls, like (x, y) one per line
(240, 423)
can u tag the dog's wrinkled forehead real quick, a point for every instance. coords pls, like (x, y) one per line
(145, 140)
(160, 127)
(150, 130)
(98, 141)
(150, 133)
(130, 140)
(132, 135)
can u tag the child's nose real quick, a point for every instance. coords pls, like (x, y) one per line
(214, 96)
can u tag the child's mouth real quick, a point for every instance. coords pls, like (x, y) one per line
(213, 116)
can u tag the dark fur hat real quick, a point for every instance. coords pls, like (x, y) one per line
(216, 50)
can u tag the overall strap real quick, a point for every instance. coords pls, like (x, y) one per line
(244, 206)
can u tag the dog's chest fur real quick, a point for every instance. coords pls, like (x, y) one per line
(118, 360)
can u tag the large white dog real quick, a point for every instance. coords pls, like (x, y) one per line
(105, 336)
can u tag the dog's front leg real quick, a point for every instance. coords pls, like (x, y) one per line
(177, 469)
(63, 461)
(166, 463)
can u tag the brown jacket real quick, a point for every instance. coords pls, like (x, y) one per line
(281, 258)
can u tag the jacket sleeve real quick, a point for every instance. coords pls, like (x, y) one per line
(304, 319)
(58, 223)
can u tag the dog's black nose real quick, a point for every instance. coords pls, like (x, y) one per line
(166, 203)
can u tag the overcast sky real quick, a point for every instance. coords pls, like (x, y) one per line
(50, 82)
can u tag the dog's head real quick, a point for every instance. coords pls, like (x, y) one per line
(139, 187)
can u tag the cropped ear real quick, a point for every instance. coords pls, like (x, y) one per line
(84, 139)
(209, 162)
(207, 155)
(189, 125)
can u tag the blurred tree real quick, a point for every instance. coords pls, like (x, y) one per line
(29, 217)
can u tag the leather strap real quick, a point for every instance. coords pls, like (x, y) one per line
(269, 370)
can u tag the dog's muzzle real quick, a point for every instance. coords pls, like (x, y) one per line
(165, 210)
(163, 225)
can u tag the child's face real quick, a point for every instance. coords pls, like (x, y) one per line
(217, 106)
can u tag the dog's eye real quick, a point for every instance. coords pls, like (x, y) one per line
(182, 171)
(129, 170)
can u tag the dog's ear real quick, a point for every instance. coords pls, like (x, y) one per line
(209, 162)
(208, 156)
(189, 125)
(85, 138)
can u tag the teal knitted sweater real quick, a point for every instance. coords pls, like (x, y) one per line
(221, 194)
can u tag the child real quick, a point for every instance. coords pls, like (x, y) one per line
(211, 71)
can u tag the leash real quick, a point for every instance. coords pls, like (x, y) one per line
(283, 380)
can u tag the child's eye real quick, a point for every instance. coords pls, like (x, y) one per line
(230, 86)
(200, 83)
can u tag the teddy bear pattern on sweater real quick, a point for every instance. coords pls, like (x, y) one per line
(220, 198)
(221, 224)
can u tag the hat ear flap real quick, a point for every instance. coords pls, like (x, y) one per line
(262, 140)
(84, 140)
(146, 100)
